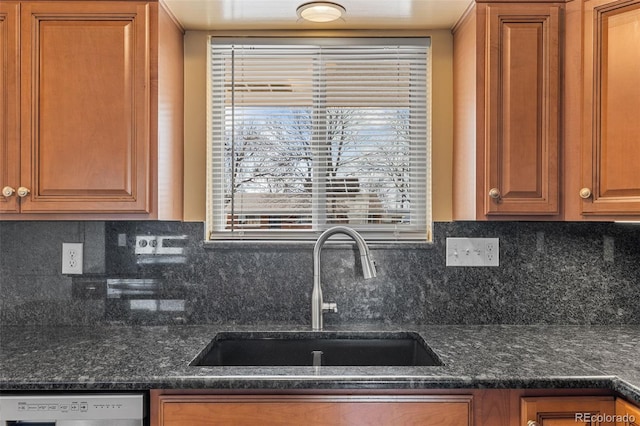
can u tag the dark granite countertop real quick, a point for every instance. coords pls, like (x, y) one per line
(475, 356)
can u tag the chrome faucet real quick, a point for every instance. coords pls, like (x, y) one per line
(368, 271)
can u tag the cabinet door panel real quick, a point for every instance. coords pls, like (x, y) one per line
(523, 107)
(612, 101)
(9, 105)
(320, 411)
(627, 414)
(85, 139)
(566, 411)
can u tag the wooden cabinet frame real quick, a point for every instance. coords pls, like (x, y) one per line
(611, 125)
(487, 407)
(9, 103)
(113, 135)
(123, 160)
(522, 84)
(201, 410)
(507, 103)
(546, 411)
(629, 414)
(577, 160)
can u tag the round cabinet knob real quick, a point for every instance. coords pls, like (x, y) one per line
(8, 191)
(532, 423)
(23, 192)
(585, 193)
(494, 193)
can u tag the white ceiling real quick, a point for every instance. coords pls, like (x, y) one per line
(281, 14)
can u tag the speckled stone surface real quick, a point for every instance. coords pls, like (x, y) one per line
(570, 292)
(489, 356)
(549, 273)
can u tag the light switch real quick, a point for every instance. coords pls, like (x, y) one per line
(473, 252)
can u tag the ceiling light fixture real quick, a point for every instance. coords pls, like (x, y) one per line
(320, 11)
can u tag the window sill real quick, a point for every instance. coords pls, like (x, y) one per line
(293, 244)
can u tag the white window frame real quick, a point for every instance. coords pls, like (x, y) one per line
(216, 216)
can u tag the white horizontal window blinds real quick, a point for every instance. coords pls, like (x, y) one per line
(306, 136)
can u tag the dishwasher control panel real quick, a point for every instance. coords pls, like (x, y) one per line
(71, 407)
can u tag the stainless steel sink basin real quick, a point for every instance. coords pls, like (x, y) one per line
(317, 349)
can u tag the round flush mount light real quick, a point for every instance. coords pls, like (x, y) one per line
(320, 11)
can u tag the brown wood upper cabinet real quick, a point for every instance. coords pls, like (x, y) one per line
(507, 106)
(91, 88)
(9, 108)
(543, 87)
(611, 135)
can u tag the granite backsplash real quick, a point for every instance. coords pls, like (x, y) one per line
(549, 273)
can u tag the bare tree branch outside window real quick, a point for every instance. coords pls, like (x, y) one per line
(306, 136)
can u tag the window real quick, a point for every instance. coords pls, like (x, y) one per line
(308, 134)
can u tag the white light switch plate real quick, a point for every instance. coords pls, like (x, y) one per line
(473, 252)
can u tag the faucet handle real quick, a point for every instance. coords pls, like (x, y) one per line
(330, 307)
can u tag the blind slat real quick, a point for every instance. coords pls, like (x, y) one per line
(306, 137)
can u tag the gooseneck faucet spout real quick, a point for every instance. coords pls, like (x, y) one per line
(368, 271)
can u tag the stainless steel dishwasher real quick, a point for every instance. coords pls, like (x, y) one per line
(72, 410)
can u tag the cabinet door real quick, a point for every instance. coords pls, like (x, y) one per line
(9, 105)
(611, 148)
(314, 411)
(566, 411)
(522, 96)
(627, 414)
(85, 107)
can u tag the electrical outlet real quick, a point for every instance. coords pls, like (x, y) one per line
(491, 252)
(473, 252)
(161, 245)
(146, 244)
(72, 256)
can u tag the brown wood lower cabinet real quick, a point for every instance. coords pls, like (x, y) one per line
(454, 407)
(567, 411)
(627, 414)
(313, 410)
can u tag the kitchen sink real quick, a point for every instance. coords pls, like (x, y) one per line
(317, 349)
